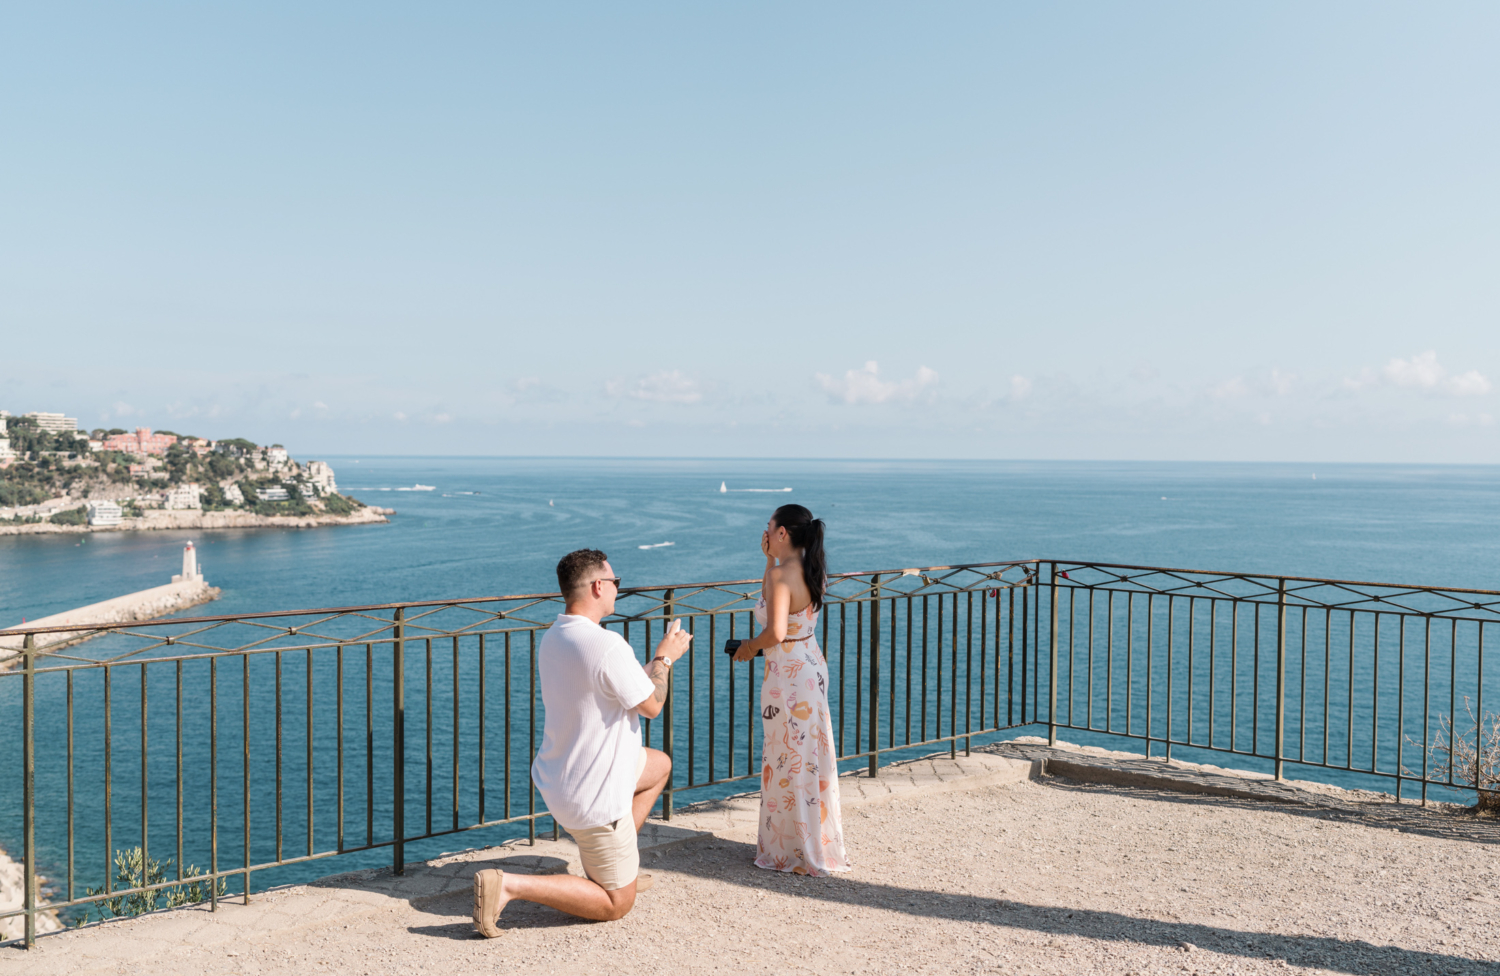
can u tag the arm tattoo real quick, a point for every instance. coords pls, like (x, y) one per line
(659, 672)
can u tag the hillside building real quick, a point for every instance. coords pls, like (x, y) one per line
(183, 497)
(105, 514)
(54, 423)
(320, 475)
(140, 442)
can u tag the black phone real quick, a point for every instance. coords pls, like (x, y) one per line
(730, 646)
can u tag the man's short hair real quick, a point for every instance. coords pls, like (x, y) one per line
(574, 569)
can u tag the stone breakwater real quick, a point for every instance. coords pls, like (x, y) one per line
(144, 605)
(12, 898)
(193, 519)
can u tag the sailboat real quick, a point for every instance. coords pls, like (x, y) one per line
(723, 486)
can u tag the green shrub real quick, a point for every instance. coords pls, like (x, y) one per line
(337, 504)
(135, 869)
(73, 516)
(14, 494)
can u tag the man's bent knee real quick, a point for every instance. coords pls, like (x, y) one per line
(621, 901)
(655, 770)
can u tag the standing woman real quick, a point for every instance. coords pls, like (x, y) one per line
(800, 826)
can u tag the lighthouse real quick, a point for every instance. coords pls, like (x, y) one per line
(190, 571)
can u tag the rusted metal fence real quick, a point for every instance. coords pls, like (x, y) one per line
(231, 749)
(235, 750)
(1374, 681)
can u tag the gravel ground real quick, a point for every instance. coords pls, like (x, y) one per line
(1049, 876)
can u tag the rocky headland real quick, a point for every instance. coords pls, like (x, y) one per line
(197, 519)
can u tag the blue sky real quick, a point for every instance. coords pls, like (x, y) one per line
(1198, 231)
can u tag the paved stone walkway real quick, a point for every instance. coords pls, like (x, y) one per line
(973, 865)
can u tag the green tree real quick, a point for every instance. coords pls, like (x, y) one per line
(222, 466)
(213, 499)
(13, 493)
(73, 516)
(134, 868)
(178, 461)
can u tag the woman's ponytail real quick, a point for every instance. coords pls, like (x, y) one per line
(807, 535)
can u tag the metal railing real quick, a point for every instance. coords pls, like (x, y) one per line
(256, 744)
(1358, 679)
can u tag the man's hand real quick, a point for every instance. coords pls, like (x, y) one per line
(673, 645)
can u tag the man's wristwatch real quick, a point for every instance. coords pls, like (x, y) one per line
(663, 659)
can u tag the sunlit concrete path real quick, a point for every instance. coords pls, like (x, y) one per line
(968, 865)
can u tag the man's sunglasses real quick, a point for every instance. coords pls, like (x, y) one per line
(609, 579)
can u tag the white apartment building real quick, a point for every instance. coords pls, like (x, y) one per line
(184, 496)
(275, 493)
(54, 423)
(321, 475)
(277, 455)
(105, 513)
(232, 493)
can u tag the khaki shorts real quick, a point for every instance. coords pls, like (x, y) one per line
(609, 853)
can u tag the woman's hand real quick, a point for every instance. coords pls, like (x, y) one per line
(745, 652)
(765, 543)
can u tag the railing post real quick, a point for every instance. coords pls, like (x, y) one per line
(666, 716)
(1280, 671)
(1052, 666)
(28, 827)
(875, 676)
(398, 741)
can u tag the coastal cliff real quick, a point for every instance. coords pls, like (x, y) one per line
(196, 519)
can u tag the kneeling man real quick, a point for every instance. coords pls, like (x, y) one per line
(599, 782)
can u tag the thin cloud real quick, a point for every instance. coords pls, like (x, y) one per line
(864, 385)
(1231, 389)
(665, 387)
(1424, 372)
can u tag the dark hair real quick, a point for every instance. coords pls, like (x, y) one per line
(807, 535)
(574, 568)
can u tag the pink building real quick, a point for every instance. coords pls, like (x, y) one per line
(141, 442)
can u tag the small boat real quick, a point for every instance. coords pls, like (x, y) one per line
(723, 486)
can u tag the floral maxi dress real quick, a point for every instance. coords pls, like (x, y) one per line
(801, 829)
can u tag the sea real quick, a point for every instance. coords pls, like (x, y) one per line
(471, 527)
(494, 526)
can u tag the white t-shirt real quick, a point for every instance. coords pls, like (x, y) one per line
(591, 681)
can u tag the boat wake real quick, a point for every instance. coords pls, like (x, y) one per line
(724, 488)
(657, 545)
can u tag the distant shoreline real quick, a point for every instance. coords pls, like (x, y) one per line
(152, 521)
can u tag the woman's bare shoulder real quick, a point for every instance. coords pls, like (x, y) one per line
(791, 578)
(786, 575)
